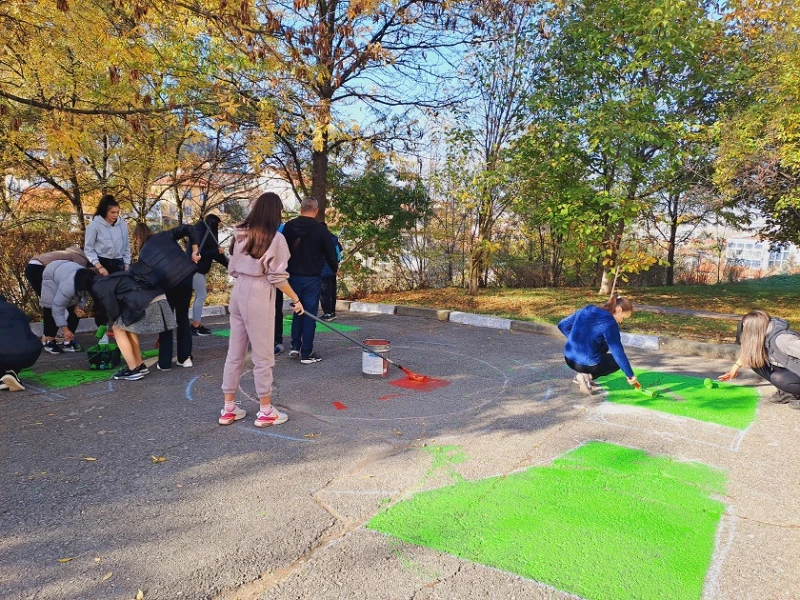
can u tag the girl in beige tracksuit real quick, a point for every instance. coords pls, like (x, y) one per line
(252, 307)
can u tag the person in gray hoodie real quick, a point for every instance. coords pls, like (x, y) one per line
(107, 245)
(66, 286)
(772, 349)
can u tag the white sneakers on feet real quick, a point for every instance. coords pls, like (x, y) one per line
(584, 381)
(273, 417)
(228, 417)
(187, 363)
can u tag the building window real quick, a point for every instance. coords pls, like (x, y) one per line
(745, 253)
(188, 210)
(778, 256)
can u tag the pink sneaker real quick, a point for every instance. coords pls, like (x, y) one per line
(226, 418)
(273, 417)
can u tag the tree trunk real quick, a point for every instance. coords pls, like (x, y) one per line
(673, 234)
(608, 278)
(319, 179)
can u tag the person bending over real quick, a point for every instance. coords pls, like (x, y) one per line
(66, 286)
(19, 346)
(772, 350)
(593, 347)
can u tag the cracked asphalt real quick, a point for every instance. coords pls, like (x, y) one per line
(241, 513)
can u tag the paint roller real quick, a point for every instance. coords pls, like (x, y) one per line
(646, 392)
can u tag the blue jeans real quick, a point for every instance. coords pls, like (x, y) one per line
(303, 328)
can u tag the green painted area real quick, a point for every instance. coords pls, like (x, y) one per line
(287, 328)
(725, 404)
(65, 378)
(150, 353)
(443, 461)
(604, 522)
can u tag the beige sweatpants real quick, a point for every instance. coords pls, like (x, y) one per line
(252, 309)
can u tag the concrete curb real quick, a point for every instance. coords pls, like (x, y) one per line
(369, 307)
(664, 345)
(428, 313)
(479, 320)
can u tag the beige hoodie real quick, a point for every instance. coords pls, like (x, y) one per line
(271, 265)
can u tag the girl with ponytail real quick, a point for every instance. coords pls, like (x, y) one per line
(593, 347)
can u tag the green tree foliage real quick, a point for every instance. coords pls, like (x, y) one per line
(628, 86)
(759, 152)
(375, 210)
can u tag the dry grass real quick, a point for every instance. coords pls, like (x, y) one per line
(777, 295)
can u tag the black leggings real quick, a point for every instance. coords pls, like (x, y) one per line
(278, 317)
(606, 366)
(179, 298)
(783, 379)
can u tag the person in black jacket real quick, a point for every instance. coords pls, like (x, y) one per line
(19, 346)
(164, 263)
(311, 245)
(207, 231)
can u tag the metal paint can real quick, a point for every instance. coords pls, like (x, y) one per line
(373, 364)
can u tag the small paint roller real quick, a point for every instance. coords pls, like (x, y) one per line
(648, 393)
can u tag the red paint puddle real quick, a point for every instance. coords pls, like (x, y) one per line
(427, 385)
(340, 406)
(387, 397)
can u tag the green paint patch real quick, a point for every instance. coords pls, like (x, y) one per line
(150, 353)
(287, 328)
(66, 378)
(726, 404)
(603, 522)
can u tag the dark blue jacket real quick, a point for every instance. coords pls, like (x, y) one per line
(591, 332)
(326, 269)
(19, 346)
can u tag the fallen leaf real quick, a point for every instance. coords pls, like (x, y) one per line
(97, 559)
(310, 435)
(159, 459)
(89, 459)
(107, 576)
(139, 595)
(65, 560)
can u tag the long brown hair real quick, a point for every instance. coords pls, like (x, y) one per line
(754, 334)
(618, 301)
(141, 233)
(261, 224)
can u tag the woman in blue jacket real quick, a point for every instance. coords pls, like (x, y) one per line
(593, 347)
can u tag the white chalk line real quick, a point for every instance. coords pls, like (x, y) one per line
(727, 525)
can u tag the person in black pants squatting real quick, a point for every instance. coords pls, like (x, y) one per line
(164, 264)
(19, 346)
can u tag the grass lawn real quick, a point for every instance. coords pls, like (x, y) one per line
(778, 295)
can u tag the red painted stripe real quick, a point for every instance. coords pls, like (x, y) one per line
(340, 406)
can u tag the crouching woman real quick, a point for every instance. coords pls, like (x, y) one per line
(594, 348)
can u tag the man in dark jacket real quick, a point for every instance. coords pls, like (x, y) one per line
(207, 231)
(311, 245)
(19, 346)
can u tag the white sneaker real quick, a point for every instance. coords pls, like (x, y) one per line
(187, 363)
(226, 418)
(103, 340)
(584, 382)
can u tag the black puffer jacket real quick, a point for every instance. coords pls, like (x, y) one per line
(18, 344)
(125, 294)
(162, 260)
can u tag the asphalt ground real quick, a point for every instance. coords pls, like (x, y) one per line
(245, 513)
